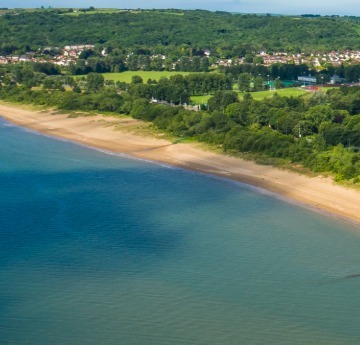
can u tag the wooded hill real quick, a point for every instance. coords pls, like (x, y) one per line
(225, 34)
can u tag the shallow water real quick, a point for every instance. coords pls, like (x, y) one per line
(101, 249)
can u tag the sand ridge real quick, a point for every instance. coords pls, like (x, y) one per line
(110, 133)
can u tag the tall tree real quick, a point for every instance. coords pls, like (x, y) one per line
(244, 82)
(94, 81)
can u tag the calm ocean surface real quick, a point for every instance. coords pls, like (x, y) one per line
(100, 249)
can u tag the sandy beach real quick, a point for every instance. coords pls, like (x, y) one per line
(112, 133)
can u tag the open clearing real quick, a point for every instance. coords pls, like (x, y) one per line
(157, 75)
(288, 92)
(145, 75)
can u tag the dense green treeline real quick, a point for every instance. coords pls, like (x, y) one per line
(197, 84)
(292, 72)
(320, 131)
(181, 33)
(177, 89)
(110, 63)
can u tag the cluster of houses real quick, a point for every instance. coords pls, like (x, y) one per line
(318, 60)
(65, 56)
(71, 53)
(334, 58)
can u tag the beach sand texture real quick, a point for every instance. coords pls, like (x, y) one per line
(111, 133)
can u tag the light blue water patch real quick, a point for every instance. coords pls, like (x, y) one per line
(101, 249)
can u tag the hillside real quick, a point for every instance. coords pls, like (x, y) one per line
(223, 33)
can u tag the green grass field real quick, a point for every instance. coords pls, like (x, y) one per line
(145, 75)
(114, 10)
(96, 11)
(200, 99)
(288, 92)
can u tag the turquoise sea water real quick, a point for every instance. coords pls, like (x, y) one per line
(101, 249)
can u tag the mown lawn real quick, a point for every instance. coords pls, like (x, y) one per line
(96, 11)
(288, 92)
(145, 75)
(200, 99)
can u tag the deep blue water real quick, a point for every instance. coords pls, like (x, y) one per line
(101, 249)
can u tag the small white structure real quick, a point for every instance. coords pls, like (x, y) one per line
(335, 79)
(309, 79)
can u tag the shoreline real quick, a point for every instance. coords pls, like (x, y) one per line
(112, 134)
